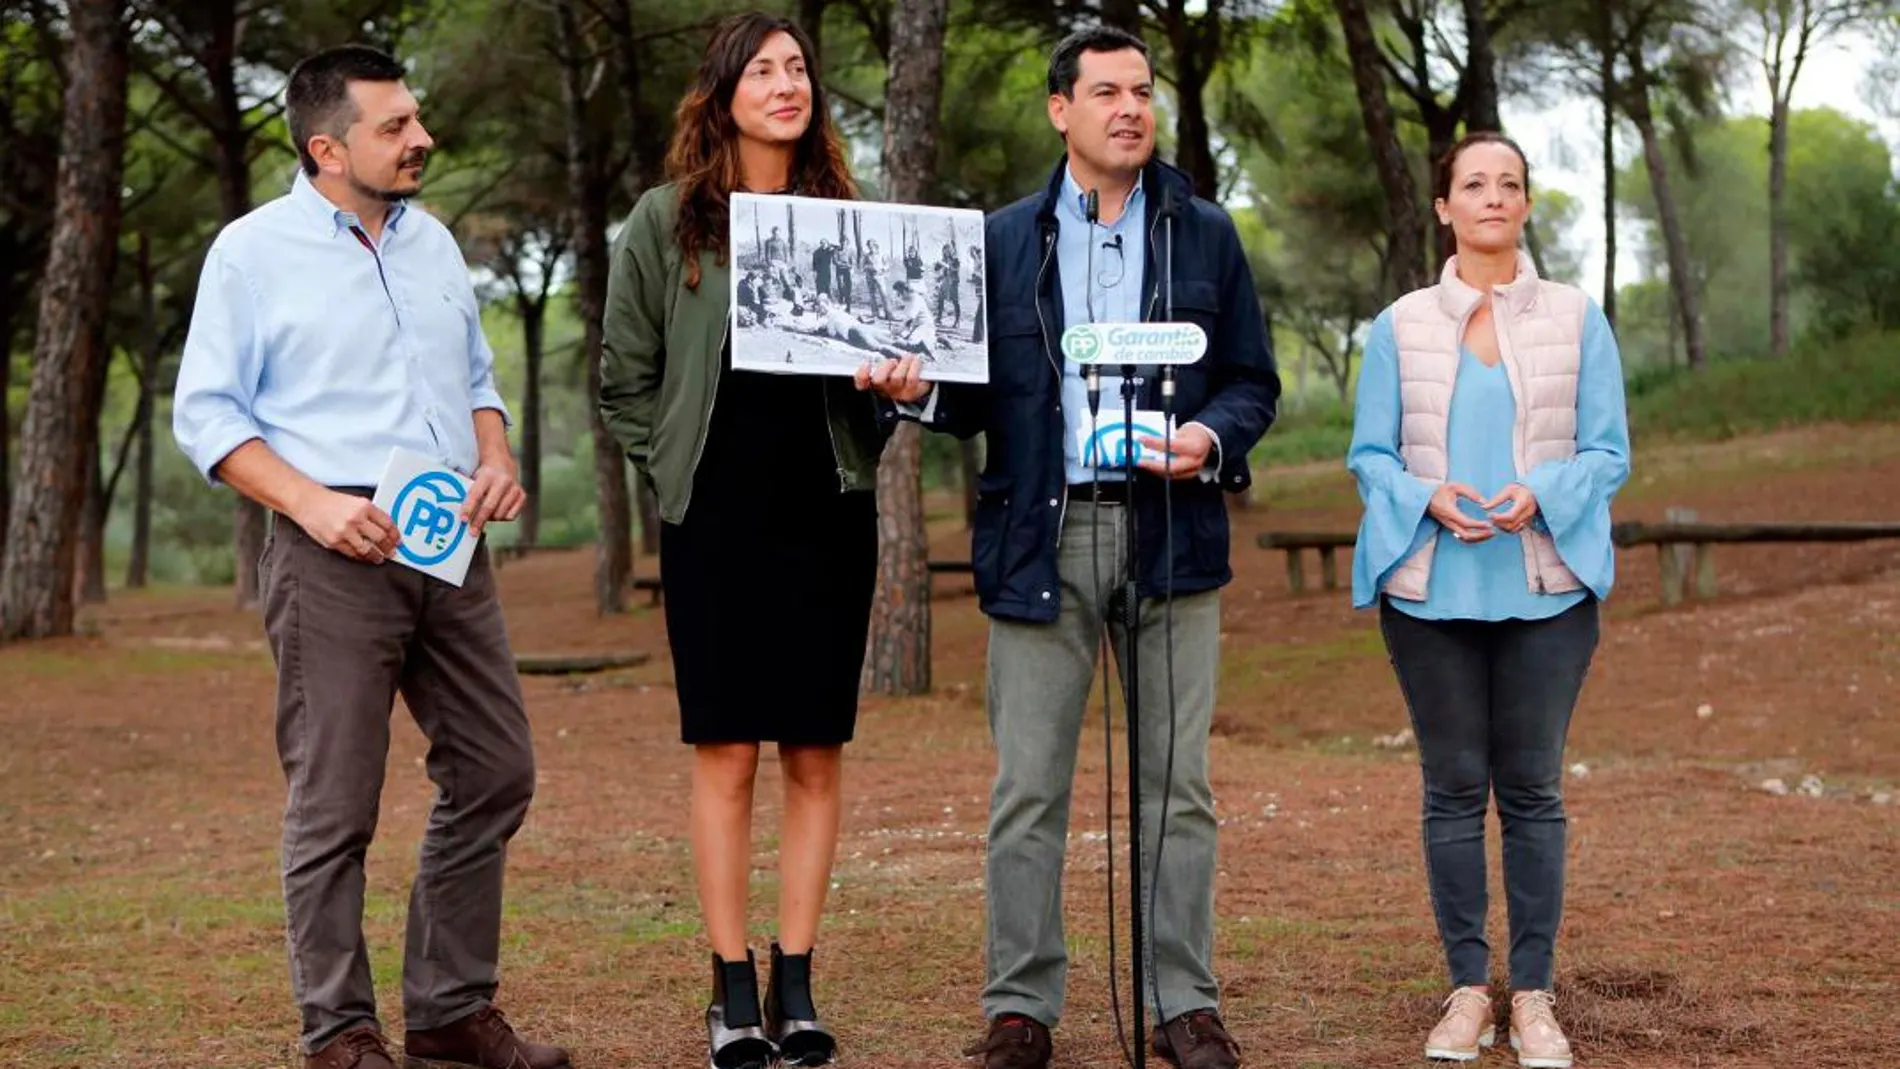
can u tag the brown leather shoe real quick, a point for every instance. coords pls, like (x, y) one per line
(1014, 1042)
(1197, 1040)
(358, 1048)
(482, 1040)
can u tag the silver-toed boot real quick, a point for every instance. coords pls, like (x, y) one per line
(735, 1036)
(790, 1018)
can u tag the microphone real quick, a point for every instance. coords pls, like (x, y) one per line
(1169, 208)
(1091, 375)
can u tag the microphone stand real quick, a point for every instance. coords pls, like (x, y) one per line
(1131, 700)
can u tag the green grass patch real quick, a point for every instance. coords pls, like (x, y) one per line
(26, 661)
(1855, 380)
(1316, 431)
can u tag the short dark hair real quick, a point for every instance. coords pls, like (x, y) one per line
(1448, 163)
(317, 100)
(1065, 63)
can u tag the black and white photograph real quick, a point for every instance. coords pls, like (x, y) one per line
(822, 286)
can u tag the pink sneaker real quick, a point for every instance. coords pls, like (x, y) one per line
(1464, 1030)
(1539, 1043)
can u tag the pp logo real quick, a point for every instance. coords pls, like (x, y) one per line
(1117, 445)
(427, 519)
(1081, 346)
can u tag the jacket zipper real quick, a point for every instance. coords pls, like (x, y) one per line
(1042, 333)
(1520, 433)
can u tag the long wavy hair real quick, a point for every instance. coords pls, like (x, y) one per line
(704, 156)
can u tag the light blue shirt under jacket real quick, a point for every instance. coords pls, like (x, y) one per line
(331, 352)
(1486, 580)
(1120, 255)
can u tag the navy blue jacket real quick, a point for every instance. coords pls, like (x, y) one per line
(1233, 390)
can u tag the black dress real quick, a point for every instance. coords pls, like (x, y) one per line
(768, 579)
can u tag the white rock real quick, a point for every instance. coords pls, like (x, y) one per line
(1398, 740)
(1774, 787)
(1882, 798)
(1704, 711)
(1812, 786)
(1579, 770)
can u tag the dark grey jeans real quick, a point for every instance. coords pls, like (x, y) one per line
(1491, 704)
(347, 638)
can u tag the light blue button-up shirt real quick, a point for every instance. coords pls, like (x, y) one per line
(1120, 254)
(332, 353)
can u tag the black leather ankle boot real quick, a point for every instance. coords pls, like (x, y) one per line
(791, 1020)
(735, 1038)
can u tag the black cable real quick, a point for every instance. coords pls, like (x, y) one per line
(1168, 209)
(1092, 375)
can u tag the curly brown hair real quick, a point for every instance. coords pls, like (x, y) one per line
(704, 156)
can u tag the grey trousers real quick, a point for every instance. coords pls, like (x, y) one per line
(347, 637)
(1039, 680)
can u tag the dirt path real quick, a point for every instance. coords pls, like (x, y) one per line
(1709, 922)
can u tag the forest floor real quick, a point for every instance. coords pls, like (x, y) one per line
(1710, 920)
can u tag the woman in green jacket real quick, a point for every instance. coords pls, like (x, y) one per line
(768, 541)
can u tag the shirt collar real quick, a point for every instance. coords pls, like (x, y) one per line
(320, 208)
(1074, 197)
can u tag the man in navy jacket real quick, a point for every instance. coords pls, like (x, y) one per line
(1050, 550)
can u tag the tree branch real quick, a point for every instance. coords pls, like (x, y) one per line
(480, 196)
(169, 86)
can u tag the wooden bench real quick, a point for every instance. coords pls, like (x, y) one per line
(1683, 547)
(651, 584)
(565, 664)
(1686, 547)
(1329, 543)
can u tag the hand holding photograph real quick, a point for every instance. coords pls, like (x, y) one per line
(821, 287)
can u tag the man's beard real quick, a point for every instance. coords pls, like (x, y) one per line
(388, 196)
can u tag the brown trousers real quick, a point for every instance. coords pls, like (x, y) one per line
(347, 638)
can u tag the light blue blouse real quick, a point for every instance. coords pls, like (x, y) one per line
(1486, 580)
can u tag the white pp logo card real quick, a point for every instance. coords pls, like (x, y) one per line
(425, 498)
(1114, 443)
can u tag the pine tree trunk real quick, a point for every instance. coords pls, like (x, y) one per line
(1441, 132)
(972, 467)
(138, 566)
(897, 660)
(9, 309)
(138, 569)
(1606, 93)
(1124, 15)
(1405, 258)
(811, 19)
(533, 315)
(1481, 71)
(231, 145)
(1778, 338)
(613, 554)
(60, 432)
(92, 528)
(1195, 51)
(1681, 280)
(647, 505)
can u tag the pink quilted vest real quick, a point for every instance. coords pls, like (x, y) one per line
(1540, 338)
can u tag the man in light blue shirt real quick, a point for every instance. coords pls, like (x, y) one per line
(332, 326)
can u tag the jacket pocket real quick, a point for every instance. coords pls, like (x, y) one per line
(992, 527)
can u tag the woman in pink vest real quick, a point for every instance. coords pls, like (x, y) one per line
(1489, 438)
